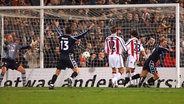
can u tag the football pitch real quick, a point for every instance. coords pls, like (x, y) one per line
(82, 95)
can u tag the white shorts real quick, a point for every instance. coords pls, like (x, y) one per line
(116, 61)
(131, 62)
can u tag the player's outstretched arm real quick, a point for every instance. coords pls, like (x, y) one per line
(91, 26)
(83, 33)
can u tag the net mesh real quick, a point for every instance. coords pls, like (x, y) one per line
(152, 24)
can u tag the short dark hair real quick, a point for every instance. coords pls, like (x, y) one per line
(69, 30)
(134, 33)
(113, 29)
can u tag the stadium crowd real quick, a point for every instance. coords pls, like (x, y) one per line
(83, 2)
(151, 27)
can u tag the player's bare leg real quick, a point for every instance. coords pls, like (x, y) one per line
(143, 73)
(143, 77)
(23, 74)
(4, 69)
(54, 78)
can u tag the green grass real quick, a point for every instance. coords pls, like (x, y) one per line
(62, 95)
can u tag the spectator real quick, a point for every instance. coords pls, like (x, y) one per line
(100, 60)
(137, 21)
(153, 2)
(51, 39)
(92, 2)
(7, 26)
(128, 23)
(165, 1)
(143, 40)
(48, 56)
(156, 20)
(164, 28)
(182, 51)
(5, 2)
(100, 47)
(89, 48)
(83, 62)
(117, 1)
(34, 2)
(33, 57)
(56, 55)
(32, 36)
(102, 2)
(78, 49)
(20, 3)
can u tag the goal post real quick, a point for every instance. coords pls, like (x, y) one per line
(178, 46)
(40, 19)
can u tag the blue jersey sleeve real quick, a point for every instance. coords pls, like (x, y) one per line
(59, 31)
(80, 35)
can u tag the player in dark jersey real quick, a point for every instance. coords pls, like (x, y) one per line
(149, 65)
(67, 42)
(9, 61)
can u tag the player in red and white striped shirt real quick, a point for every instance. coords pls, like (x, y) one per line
(134, 48)
(114, 47)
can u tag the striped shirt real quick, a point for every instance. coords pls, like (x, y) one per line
(134, 47)
(114, 45)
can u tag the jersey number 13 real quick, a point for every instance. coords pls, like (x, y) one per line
(64, 45)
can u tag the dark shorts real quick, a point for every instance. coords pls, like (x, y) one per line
(66, 61)
(10, 64)
(149, 65)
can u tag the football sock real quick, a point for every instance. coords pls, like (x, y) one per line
(141, 81)
(136, 76)
(113, 74)
(114, 80)
(24, 78)
(128, 75)
(151, 81)
(127, 79)
(114, 77)
(54, 77)
(74, 74)
(1, 78)
(118, 75)
(134, 82)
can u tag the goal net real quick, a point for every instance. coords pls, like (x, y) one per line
(36, 23)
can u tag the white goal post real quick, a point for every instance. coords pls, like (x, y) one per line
(40, 11)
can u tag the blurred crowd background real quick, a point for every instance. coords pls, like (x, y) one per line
(151, 26)
(83, 2)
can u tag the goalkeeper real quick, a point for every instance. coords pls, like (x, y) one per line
(10, 50)
(67, 42)
(149, 65)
